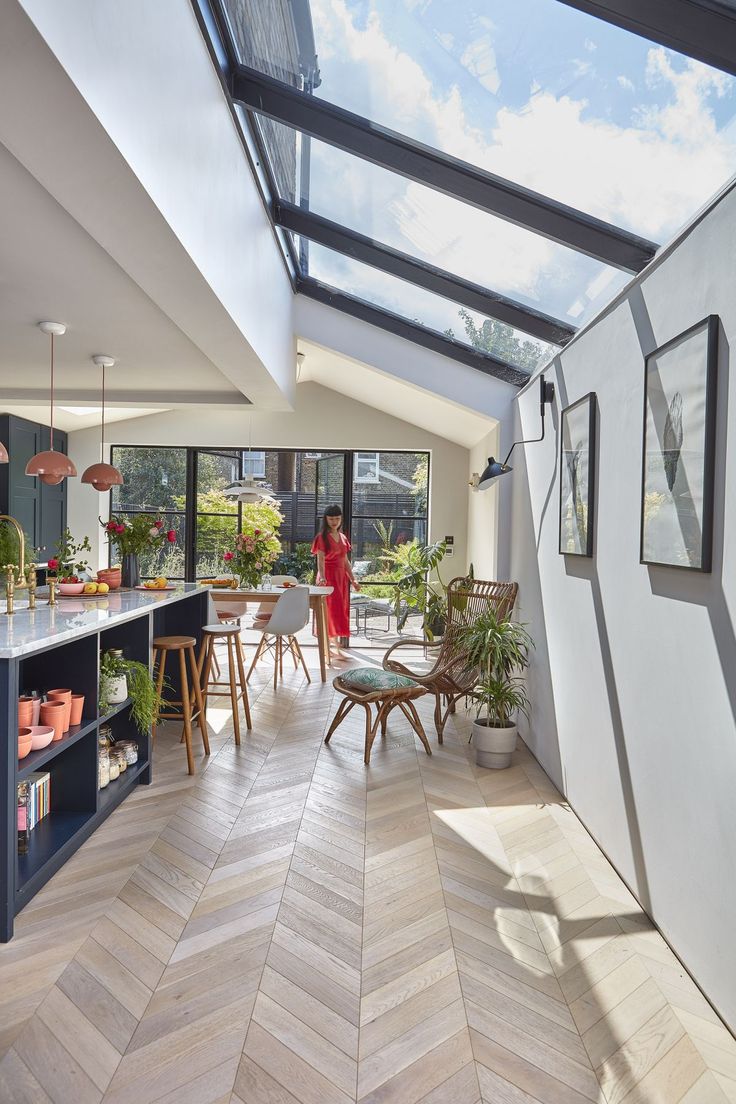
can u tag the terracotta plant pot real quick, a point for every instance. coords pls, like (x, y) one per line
(77, 707)
(25, 712)
(37, 699)
(25, 739)
(64, 696)
(52, 713)
(110, 575)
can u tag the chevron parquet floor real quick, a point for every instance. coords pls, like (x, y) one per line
(290, 927)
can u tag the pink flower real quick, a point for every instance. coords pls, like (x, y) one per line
(153, 532)
(258, 564)
(171, 536)
(53, 564)
(119, 528)
(227, 556)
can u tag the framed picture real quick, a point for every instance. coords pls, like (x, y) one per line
(679, 450)
(577, 477)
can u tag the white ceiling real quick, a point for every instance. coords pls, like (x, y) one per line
(51, 269)
(392, 395)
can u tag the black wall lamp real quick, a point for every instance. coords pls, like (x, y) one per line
(495, 467)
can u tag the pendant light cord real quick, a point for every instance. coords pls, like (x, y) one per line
(52, 393)
(102, 438)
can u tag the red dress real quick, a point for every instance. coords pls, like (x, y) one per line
(336, 576)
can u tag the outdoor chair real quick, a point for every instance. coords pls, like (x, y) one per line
(450, 677)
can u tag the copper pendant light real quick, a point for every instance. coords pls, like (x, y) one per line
(4, 458)
(50, 466)
(102, 476)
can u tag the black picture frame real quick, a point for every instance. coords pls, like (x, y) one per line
(578, 431)
(678, 450)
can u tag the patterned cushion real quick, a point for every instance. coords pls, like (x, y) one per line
(373, 678)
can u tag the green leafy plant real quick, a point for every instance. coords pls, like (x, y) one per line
(498, 649)
(145, 701)
(299, 562)
(68, 556)
(417, 584)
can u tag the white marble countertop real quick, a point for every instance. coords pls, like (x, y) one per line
(28, 631)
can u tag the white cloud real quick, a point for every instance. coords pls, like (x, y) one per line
(590, 46)
(479, 59)
(626, 83)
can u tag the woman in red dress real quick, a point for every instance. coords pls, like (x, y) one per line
(331, 547)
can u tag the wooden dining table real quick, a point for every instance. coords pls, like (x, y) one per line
(227, 598)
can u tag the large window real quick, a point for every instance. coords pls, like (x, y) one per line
(383, 495)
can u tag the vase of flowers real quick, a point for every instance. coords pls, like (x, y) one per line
(133, 536)
(257, 545)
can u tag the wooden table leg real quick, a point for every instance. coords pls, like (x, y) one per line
(322, 636)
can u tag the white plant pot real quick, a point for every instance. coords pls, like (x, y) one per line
(117, 689)
(493, 746)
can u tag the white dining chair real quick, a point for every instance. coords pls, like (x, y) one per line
(290, 614)
(266, 608)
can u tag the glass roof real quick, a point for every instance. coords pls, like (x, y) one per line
(538, 93)
(441, 230)
(425, 308)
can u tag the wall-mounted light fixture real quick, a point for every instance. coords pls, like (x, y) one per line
(494, 467)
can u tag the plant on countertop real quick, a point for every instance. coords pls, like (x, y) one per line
(145, 701)
(499, 649)
(68, 556)
(137, 533)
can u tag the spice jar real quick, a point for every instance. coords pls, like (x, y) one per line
(114, 766)
(130, 750)
(105, 738)
(103, 766)
(118, 755)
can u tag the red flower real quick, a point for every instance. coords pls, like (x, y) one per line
(171, 536)
(227, 556)
(53, 564)
(119, 528)
(159, 524)
(256, 532)
(112, 527)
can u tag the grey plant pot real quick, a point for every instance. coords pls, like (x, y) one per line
(493, 746)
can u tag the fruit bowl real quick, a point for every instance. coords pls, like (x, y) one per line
(111, 575)
(71, 588)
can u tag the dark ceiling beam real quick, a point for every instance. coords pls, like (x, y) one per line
(437, 170)
(702, 29)
(437, 280)
(412, 331)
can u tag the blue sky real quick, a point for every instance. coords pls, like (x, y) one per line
(538, 93)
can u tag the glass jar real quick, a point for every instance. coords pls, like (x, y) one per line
(103, 767)
(105, 737)
(118, 755)
(114, 766)
(267, 582)
(129, 749)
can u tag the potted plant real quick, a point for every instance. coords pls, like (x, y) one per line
(498, 649)
(68, 564)
(417, 584)
(134, 535)
(135, 680)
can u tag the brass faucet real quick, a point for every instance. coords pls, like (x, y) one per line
(21, 583)
(10, 589)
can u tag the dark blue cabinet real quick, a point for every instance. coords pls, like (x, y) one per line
(39, 509)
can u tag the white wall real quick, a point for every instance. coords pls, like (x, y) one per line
(483, 512)
(117, 110)
(634, 677)
(322, 419)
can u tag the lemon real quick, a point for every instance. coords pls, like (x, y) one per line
(102, 588)
(90, 588)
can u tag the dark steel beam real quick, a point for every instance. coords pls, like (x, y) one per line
(445, 174)
(437, 280)
(412, 331)
(702, 29)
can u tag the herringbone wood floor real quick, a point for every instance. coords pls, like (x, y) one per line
(290, 927)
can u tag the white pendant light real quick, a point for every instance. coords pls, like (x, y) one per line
(249, 489)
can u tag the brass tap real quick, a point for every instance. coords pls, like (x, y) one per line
(10, 589)
(32, 586)
(52, 591)
(21, 583)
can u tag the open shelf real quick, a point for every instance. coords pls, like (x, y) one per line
(114, 793)
(115, 710)
(53, 839)
(37, 759)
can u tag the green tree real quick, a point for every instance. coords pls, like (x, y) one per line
(502, 341)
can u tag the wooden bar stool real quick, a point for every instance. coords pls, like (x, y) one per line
(226, 617)
(191, 702)
(231, 635)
